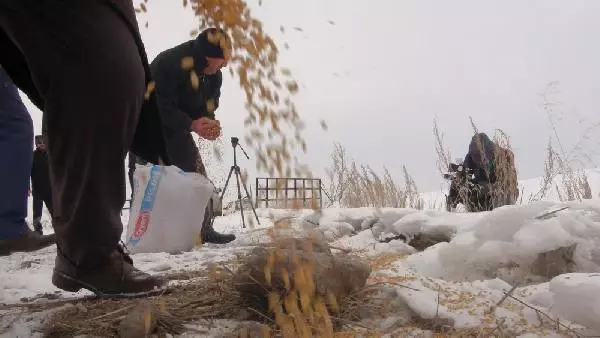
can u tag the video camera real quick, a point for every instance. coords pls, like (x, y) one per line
(457, 169)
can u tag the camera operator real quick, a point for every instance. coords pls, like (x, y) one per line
(187, 105)
(494, 173)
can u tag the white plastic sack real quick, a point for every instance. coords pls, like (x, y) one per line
(167, 209)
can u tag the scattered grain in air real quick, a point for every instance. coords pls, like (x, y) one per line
(323, 125)
(194, 80)
(149, 89)
(147, 321)
(187, 63)
(253, 57)
(286, 71)
(210, 106)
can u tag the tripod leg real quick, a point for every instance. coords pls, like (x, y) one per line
(227, 182)
(251, 204)
(237, 179)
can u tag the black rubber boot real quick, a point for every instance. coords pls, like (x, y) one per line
(209, 235)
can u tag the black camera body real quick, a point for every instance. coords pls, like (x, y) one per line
(235, 141)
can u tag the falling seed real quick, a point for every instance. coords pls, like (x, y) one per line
(149, 89)
(286, 72)
(194, 80)
(187, 63)
(323, 125)
(210, 105)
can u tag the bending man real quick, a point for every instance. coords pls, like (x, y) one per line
(188, 106)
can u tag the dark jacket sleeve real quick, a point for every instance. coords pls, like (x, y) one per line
(166, 92)
(216, 93)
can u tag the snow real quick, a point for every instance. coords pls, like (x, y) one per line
(461, 282)
(576, 296)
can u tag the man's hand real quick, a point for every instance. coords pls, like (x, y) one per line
(207, 128)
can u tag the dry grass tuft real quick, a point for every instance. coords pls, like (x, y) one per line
(574, 183)
(385, 260)
(352, 185)
(214, 296)
(202, 299)
(444, 158)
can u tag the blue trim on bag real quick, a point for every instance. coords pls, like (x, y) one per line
(143, 218)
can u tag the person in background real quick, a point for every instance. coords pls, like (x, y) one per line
(187, 107)
(494, 172)
(16, 142)
(40, 183)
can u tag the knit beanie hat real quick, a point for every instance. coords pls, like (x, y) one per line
(214, 42)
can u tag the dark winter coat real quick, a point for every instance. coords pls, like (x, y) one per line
(148, 140)
(178, 101)
(480, 158)
(40, 174)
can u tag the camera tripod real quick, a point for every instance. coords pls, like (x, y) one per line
(235, 168)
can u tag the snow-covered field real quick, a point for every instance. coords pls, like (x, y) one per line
(549, 251)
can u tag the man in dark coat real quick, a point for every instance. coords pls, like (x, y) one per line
(187, 107)
(16, 141)
(83, 63)
(495, 176)
(480, 158)
(40, 183)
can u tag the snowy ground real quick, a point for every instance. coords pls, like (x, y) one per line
(459, 281)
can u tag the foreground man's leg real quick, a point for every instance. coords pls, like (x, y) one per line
(86, 65)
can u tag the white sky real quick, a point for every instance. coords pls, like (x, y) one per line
(380, 74)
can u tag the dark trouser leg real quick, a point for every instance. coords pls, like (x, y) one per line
(183, 152)
(85, 63)
(48, 203)
(38, 204)
(184, 155)
(131, 166)
(132, 161)
(16, 144)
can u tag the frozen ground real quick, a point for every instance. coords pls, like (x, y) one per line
(457, 282)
